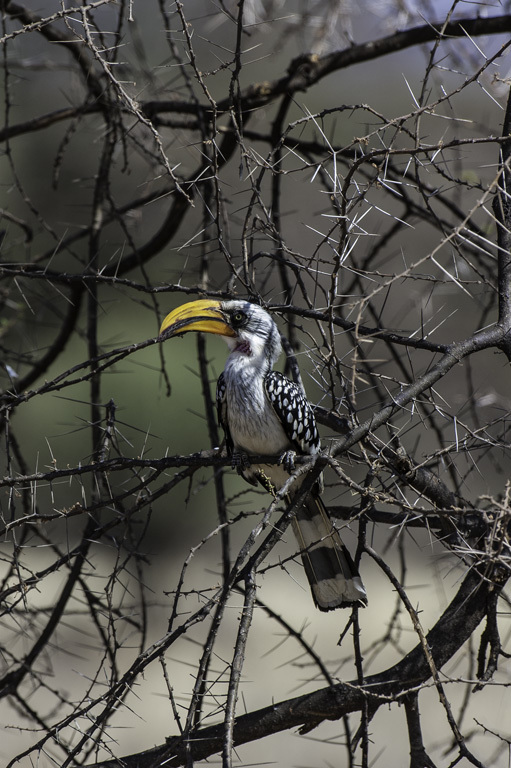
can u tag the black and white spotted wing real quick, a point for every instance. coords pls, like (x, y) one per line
(221, 410)
(294, 412)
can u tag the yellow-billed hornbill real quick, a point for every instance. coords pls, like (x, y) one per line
(263, 413)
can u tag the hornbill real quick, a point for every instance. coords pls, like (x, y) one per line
(264, 413)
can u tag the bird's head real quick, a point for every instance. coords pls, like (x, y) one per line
(247, 328)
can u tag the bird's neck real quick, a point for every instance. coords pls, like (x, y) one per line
(246, 362)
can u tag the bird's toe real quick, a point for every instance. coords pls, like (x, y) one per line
(287, 460)
(240, 461)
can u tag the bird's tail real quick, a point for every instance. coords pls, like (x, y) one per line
(333, 577)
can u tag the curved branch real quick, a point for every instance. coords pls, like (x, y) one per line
(362, 330)
(304, 71)
(46, 27)
(502, 211)
(308, 69)
(490, 337)
(66, 331)
(451, 631)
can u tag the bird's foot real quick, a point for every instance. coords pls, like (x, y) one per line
(240, 461)
(287, 460)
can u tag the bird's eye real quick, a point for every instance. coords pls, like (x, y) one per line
(238, 317)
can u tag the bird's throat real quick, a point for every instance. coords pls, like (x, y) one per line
(243, 347)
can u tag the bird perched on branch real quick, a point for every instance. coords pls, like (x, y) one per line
(264, 413)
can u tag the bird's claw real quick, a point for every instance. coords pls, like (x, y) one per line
(287, 460)
(240, 461)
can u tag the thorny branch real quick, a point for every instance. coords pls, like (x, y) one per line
(330, 703)
(152, 157)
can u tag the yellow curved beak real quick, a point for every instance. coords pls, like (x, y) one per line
(204, 315)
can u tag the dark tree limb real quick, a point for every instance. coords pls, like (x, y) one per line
(419, 758)
(306, 70)
(10, 683)
(66, 330)
(502, 211)
(451, 631)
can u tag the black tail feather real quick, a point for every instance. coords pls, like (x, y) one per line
(332, 575)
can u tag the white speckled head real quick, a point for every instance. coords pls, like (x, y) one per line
(257, 336)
